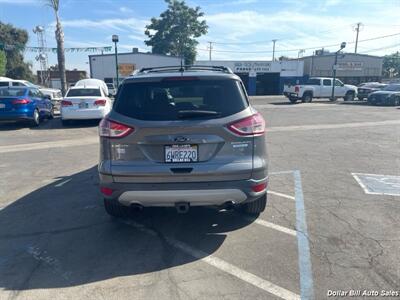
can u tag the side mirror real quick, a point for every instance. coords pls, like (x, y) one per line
(48, 97)
(342, 84)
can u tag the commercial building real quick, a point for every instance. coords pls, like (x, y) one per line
(102, 66)
(53, 77)
(351, 68)
(263, 77)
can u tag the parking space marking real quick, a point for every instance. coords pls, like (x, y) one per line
(63, 182)
(377, 184)
(223, 265)
(280, 195)
(306, 279)
(331, 126)
(50, 144)
(276, 227)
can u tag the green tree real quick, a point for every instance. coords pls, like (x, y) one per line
(3, 61)
(55, 5)
(12, 42)
(391, 65)
(176, 30)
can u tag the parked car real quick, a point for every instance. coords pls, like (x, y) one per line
(367, 88)
(8, 82)
(93, 82)
(84, 103)
(183, 139)
(24, 104)
(319, 87)
(55, 96)
(111, 89)
(389, 95)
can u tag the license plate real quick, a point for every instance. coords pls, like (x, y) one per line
(83, 105)
(2, 105)
(181, 153)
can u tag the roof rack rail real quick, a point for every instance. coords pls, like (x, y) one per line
(186, 68)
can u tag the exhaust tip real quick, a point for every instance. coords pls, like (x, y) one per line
(136, 207)
(228, 205)
(182, 207)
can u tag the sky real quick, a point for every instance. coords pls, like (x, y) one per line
(239, 29)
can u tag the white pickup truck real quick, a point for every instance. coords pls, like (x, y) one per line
(319, 87)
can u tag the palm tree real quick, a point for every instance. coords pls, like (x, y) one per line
(55, 5)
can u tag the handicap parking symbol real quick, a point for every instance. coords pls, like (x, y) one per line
(378, 184)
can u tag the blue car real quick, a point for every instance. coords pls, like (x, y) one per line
(24, 104)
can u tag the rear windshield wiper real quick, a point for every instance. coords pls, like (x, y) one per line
(182, 114)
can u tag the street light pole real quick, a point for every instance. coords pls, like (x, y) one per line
(342, 46)
(115, 40)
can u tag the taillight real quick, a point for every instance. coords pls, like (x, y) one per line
(100, 102)
(111, 129)
(259, 187)
(106, 191)
(66, 103)
(21, 101)
(296, 89)
(253, 125)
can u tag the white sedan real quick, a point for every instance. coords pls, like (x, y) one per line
(84, 103)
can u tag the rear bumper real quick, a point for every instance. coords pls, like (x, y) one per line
(291, 95)
(83, 114)
(15, 116)
(196, 193)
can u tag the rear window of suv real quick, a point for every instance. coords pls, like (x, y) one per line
(180, 99)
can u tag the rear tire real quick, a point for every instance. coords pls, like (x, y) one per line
(36, 119)
(307, 98)
(114, 209)
(256, 207)
(349, 96)
(51, 115)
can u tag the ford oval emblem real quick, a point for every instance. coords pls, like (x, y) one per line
(181, 139)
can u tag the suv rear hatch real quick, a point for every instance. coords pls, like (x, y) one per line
(179, 131)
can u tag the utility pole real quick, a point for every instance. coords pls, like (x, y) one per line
(357, 30)
(273, 50)
(210, 49)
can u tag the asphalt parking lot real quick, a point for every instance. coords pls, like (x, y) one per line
(332, 219)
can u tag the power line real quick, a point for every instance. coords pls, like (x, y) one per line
(296, 50)
(382, 48)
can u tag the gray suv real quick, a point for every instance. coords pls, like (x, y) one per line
(183, 136)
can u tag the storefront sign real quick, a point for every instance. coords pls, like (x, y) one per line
(251, 67)
(126, 69)
(350, 66)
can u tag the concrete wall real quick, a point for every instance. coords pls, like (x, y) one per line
(286, 69)
(350, 65)
(103, 66)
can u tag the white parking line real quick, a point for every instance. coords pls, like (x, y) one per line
(331, 126)
(280, 195)
(223, 265)
(276, 227)
(63, 182)
(47, 145)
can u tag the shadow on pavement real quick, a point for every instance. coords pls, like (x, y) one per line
(56, 124)
(61, 236)
(48, 124)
